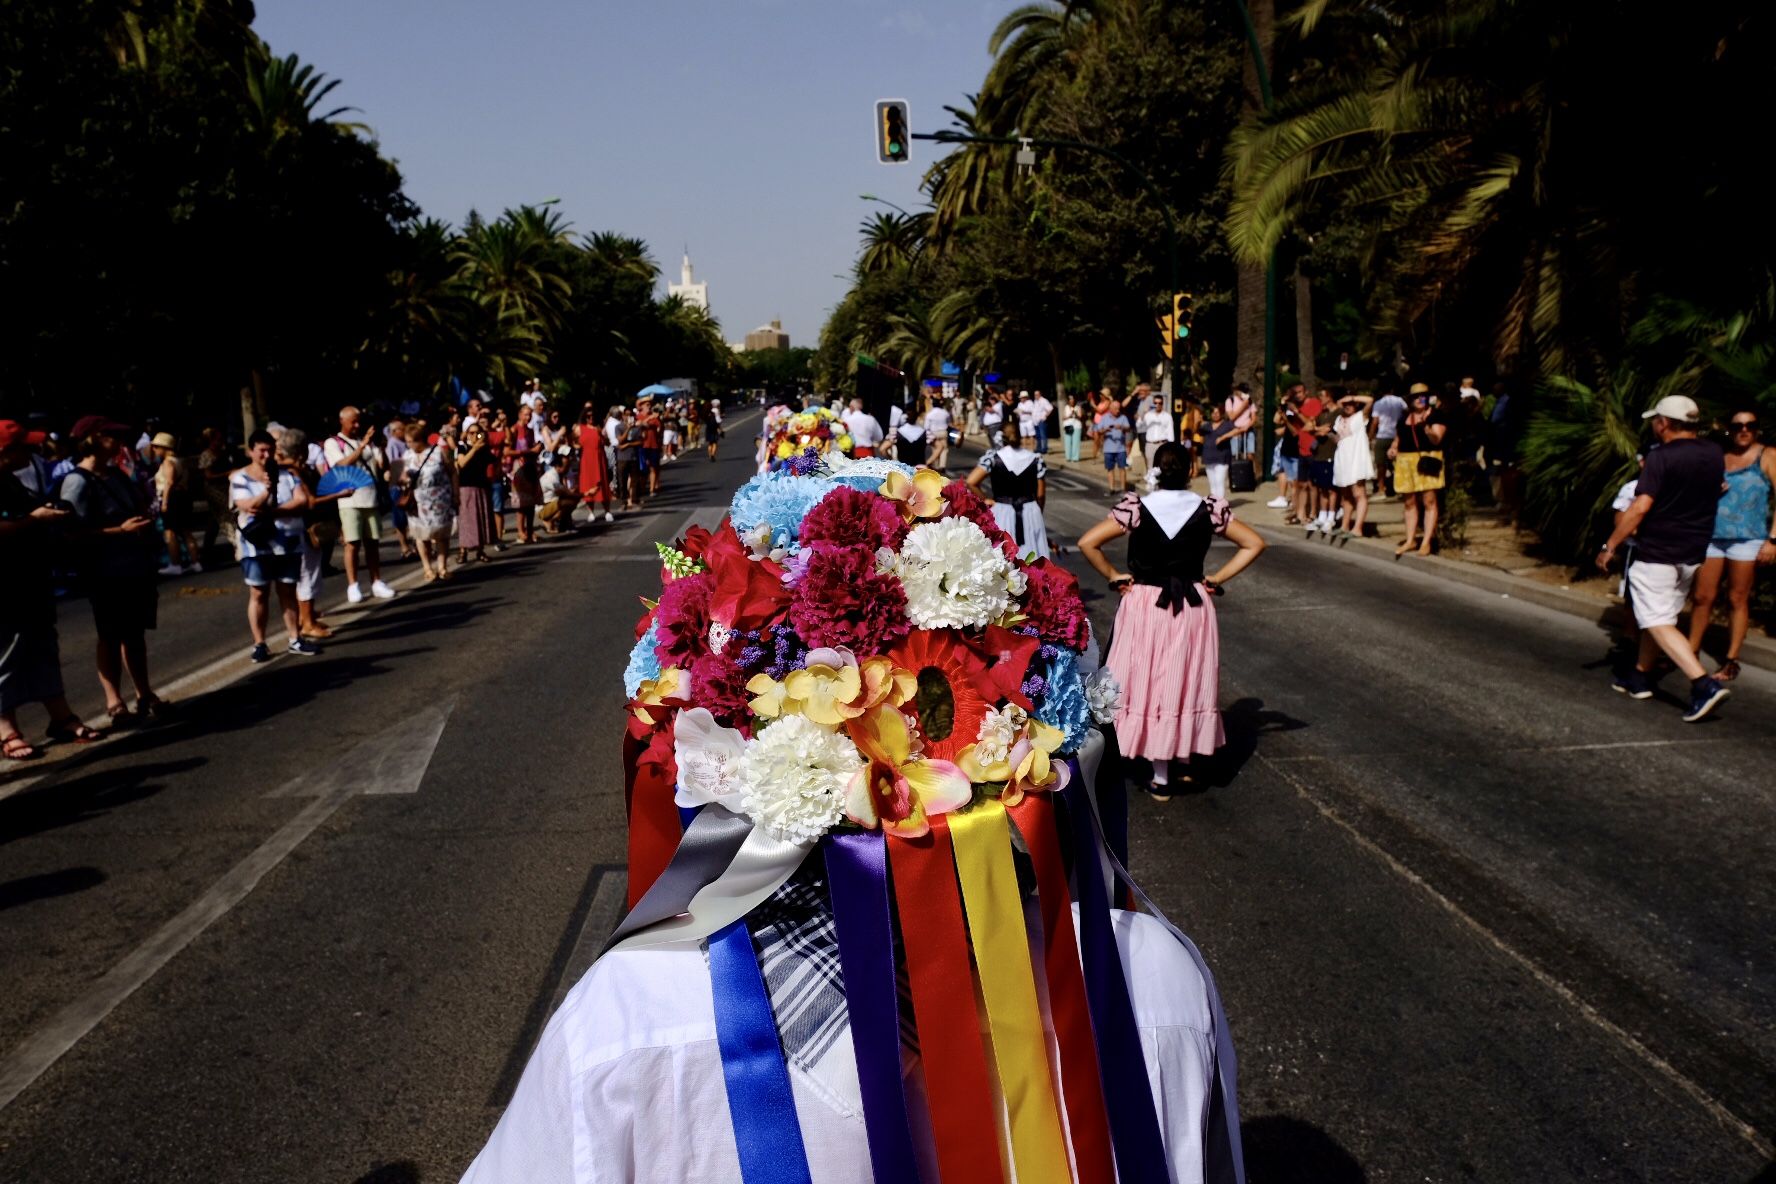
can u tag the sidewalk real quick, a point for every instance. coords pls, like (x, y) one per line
(1492, 558)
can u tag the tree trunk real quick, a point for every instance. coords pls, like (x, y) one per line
(1249, 295)
(1304, 331)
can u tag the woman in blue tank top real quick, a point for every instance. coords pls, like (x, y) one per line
(1744, 539)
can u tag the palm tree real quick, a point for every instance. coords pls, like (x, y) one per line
(914, 342)
(516, 267)
(282, 95)
(890, 241)
(623, 254)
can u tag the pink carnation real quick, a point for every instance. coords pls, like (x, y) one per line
(961, 502)
(849, 517)
(1053, 607)
(682, 619)
(718, 684)
(842, 600)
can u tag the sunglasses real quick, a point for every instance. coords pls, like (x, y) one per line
(1745, 425)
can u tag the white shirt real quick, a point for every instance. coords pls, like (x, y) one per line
(1026, 417)
(337, 448)
(865, 431)
(896, 417)
(626, 1082)
(937, 423)
(613, 431)
(1044, 409)
(1156, 426)
(551, 484)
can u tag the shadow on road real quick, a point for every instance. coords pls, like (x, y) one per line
(66, 882)
(73, 800)
(1284, 1150)
(1244, 721)
(401, 1172)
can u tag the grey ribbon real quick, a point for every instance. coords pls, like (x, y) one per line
(760, 867)
(704, 853)
(1223, 1155)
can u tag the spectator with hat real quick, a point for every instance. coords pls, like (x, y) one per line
(116, 554)
(30, 658)
(174, 501)
(1672, 518)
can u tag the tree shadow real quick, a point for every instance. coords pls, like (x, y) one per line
(403, 1171)
(1767, 1176)
(66, 882)
(1284, 1150)
(68, 801)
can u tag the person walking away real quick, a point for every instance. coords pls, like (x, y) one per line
(360, 524)
(937, 435)
(173, 497)
(595, 477)
(1386, 414)
(393, 484)
(1353, 463)
(1044, 409)
(476, 472)
(116, 555)
(910, 444)
(1417, 458)
(865, 430)
(712, 427)
(1113, 432)
(292, 453)
(1165, 649)
(1744, 539)
(1020, 486)
(268, 502)
(1217, 450)
(431, 475)
(1674, 512)
(30, 654)
(1072, 429)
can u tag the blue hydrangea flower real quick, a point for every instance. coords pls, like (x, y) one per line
(1064, 705)
(643, 664)
(870, 484)
(779, 500)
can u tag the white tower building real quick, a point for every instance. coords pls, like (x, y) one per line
(687, 288)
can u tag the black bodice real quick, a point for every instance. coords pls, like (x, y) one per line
(1014, 488)
(1175, 564)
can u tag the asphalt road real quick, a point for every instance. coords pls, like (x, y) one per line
(1475, 917)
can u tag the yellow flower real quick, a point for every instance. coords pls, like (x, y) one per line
(785, 450)
(898, 789)
(1026, 765)
(922, 492)
(671, 684)
(826, 693)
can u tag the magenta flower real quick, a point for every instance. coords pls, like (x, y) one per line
(842, 600)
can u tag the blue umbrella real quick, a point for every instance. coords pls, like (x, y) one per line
(656, 389)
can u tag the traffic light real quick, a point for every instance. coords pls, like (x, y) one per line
(892, 136)
(1181, 315)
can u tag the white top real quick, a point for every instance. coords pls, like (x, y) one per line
(1027, 417)
(1156, 426)
(1044, 408)
(866, 431)
(242, 488)
(337, 448)
(1388, 411)
(626, 1082)
(896, 417)
(613, 431)
(937, 423)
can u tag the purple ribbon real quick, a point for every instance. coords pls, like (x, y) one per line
(857, 876)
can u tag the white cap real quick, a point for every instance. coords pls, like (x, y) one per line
(1679, 408)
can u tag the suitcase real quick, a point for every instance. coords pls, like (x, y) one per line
(1241, 477)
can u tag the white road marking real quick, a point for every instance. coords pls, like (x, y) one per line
(1658, 1064)
(356, 773)
(393, 761)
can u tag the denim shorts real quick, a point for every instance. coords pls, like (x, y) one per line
(260, 570)
(1115, 460)
(1291, 466)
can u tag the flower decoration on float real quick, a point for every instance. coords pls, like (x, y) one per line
(797, 441)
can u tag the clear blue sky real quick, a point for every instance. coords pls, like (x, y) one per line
(742, 127)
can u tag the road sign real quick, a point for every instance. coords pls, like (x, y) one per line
(893, 135)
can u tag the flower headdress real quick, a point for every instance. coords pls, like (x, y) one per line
(858, 663)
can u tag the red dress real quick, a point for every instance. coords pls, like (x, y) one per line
(594, 473)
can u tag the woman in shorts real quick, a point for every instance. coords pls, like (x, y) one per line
(1744, 539)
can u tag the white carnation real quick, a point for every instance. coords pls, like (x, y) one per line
(954, 577)
(999, 730)
(1103, 696)
(793, 778)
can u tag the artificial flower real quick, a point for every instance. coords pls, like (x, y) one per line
(947, 679)
(718, 683)
(779, 500)
(1007, 656)
(1053, 606)
(1064, 702)
(664, 691)
(844, 443)
(899, 789)
(1015, 749)
(954, 577)
(794, 776)
(831, 687)
(682, 619)
(962, 502)
(676, 563)
(644, 663)
(708, 757)
(745, 593)
(1103, 694)
(922, 493)
(841, 598)
(848, 518)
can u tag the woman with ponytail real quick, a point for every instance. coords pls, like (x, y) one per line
(1165, 650)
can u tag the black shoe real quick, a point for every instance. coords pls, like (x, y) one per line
(303, 647)
(261, 653)
(1705, 696)
(1634, 684)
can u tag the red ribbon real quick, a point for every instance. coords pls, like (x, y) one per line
(654, 829)
(1088, 1122)
(941, 979)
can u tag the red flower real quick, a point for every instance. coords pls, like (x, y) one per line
(1007, 656)
(849, 517)
(842, 600)
(1053, 607)
(718, 684)
(683, 619)
(695, 541)
(748, 593)
(950, 702)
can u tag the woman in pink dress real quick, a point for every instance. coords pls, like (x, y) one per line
(1165, 650)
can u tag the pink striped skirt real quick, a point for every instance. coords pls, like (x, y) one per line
(1170, 670)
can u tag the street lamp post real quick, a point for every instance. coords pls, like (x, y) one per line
(883, 200)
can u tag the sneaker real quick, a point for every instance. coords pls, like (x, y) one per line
(1278, 503)
(1308, 528)
(609, 517)
(353, 593)
(1705, 694)
(381, 591)
(196, 568)
(172, 569)
(260, 654)
(1634, 684)
(304, 647)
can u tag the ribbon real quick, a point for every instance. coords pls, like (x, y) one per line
(1002, 956)
(707, 847)
(857, 876)
(942, 985)
(1082, 1091)
(760, 1099)
(759, 868)
(653, 820)
(1134, 1124)
(1223, 1154)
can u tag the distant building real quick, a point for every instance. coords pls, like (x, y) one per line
(688, 289)
(738, 347)
(769, 336)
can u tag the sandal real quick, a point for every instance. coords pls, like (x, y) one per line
(1729, 670)
(72, 731)
(1158, 795)
(16, 748)
(153, 708)
(121, 717)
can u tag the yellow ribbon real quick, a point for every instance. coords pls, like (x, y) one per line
(1008, 984)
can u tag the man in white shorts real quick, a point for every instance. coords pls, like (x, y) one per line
(1672, 519)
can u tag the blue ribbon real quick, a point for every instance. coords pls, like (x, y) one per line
(1134, 1123)
(857, 876)
(760, 1101)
